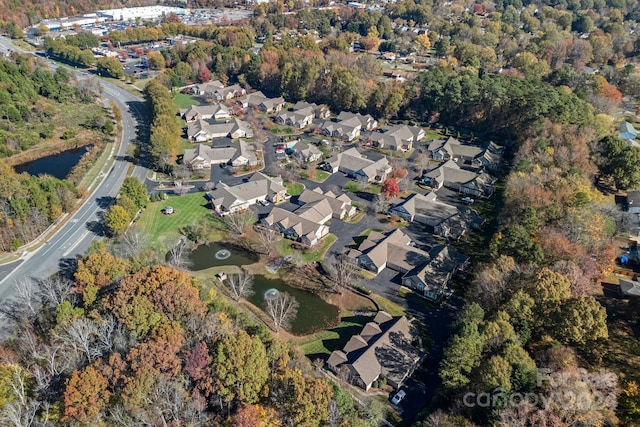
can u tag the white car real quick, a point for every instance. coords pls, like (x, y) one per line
(263, 202)
(398, 397)
(467, 200)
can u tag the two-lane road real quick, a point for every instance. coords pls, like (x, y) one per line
(81, 228)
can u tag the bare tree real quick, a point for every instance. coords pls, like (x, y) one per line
(266, 238)
(179, 190)
(380, 203)
(80, 336)
(178, 256)
(209, 186)
(132, 242)
(334, 417)
(19, 415)
(238, 222)
(282, 309)
(342, 273)
(240, 285)
(27, 302)
(54, 290)
(182, 173)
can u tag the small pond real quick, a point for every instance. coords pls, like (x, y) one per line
(314, 313)
(57, 165)
(216, 255)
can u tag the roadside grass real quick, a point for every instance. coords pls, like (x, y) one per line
(131, 88)
(294, 188)
(317, 254)
(389, 306)
(188, 209)
(321, 344)
(181, 100)
(92, 174)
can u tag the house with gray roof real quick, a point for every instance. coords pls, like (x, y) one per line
(488, 156)
(295, 226)
(245, 155)
(202, 130)
(438, 218)
(398, 138)
(355, 165)
(225, 199)
(205, 112)
(427, 272)
(341, 205)
(431, 279)
(450, 175)
(203, 156)
(206, 89)
(261, 102)
(302, 114)
(383, 349)
(366, 121)
(306, 152)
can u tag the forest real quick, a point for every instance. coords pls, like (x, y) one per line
(34, 99)
(124, 343)
(512, 71)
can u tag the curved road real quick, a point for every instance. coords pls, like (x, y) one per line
(83, 226)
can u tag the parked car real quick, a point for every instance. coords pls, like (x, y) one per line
(263, 202)
(398, 397)
(223, 165)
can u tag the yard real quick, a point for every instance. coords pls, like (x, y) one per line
(317, 254)
(321, 344)
(161, 228)
(180, 100)
(294, 188)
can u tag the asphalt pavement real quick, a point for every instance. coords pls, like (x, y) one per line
(85, 225)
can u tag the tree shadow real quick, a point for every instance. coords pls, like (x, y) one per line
(67, 267)
(99, 228)
(105, 202)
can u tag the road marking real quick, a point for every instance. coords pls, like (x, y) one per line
(80, 239)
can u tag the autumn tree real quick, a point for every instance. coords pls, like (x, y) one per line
(198, 367)
(85, 396)
(110, 67)
(117, 219)
(305, 401)
(282, 310)
(390, 188)
(241, 368)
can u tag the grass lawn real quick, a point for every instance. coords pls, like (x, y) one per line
(431, 134)
(390, 307)
(321, 176)
(294, 188)
(180, 100)
(321, 344)
(318, 252)
(356, 218)
(351, 187)
(188, 209)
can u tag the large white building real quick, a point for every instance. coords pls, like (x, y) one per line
(146, 12)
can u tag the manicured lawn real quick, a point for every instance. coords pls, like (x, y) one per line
(390, 307)
(431, 134)
(351, 187)
(318, 252)
(321, 344)
(294, 188)
(188, 209)
(321, 176)
(180, 100)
